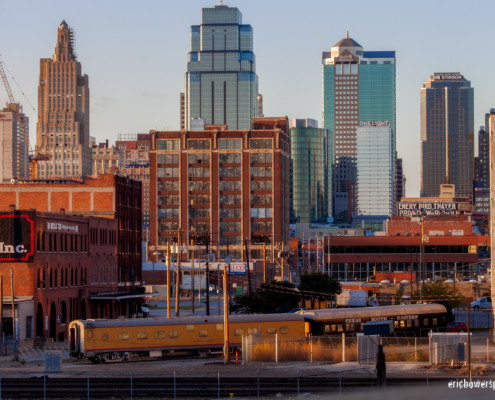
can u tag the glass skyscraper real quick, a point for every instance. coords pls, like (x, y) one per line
(221, 85)
(447, 134)
(375, 166)
(310, 183)
(358, 86)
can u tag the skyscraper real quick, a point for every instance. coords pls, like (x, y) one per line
(221, 85)
(310, 192)
(13, 145)
(358, 86)
(375, 163)
(62, 131)
(447, 134)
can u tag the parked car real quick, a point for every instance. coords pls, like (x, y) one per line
(456, 326)
(483, 303)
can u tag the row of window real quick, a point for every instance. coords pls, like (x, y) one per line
(174, 333)
(66, 242)
(359, 326)
(205, 144)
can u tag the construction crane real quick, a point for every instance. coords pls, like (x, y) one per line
(34, 157)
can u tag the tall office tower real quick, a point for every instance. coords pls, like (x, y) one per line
(221, 85)
(447, 134)
(310, 183)
(260, 105)
(62, 131)
(13, 144)
(358, 86)
(375, 161)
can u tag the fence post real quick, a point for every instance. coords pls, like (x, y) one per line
(244, 352)
(343, 346)
(276, 348)
(311, 349)
(415, 348)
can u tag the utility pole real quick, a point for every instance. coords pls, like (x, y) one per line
(207, 238)
(247, 267)
(264, 261)
(225, 317)
(168, 279)
(177, 280)
(13, 313)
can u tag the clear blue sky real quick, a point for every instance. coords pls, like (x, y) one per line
(135, 53)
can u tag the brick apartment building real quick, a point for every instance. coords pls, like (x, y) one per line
(229, 187)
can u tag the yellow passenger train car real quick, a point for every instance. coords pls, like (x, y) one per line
(105, 340)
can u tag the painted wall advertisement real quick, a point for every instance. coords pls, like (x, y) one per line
(16, 237)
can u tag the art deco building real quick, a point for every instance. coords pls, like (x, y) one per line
(358, 86)
(62, 131)
(221, 85)
(447, 134)
(13, 144)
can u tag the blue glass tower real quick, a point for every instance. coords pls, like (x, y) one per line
(358, 88)
(221, 85)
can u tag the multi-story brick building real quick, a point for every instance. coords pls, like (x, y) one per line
(61, 264)
(111, 196)
(229, 185)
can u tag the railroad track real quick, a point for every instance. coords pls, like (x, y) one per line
(180, 387)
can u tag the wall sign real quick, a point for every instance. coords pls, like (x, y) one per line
(16, 237)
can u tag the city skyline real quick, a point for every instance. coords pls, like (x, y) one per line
(120, 43)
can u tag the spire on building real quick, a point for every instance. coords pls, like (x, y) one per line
(64, 49)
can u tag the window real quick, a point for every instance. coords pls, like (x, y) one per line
(104, 337)
(29, 327)
(173, 334)
(198, 144)
(159, 334)
(284, 329)
(271, 331)
(143, 335)
(238, 332)
(189, 328)
(252, 331)
(226, 144)
(203, 333)
(219, 327)
(260, 143)
(124, 336)
(167, 144)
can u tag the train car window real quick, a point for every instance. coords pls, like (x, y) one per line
(219, 327)
(238, 332)
(271, 330)
(402, 324)
(143, 335)
(340, 328)
(334, 328)
(173, 334)
(409, 323)
(416, 323)
(348, 327)
(159, 334)
(124, 336)
(89, 334)
(104, 337)
(252, 331)
(189, 328)
(203, 333)
(434, 321)
(396, 324)
(425, 322)
(327, 328)
(284, 329)
(361, 327)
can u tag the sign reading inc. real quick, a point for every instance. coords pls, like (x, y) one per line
(16, 237)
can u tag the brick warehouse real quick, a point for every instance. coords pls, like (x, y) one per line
(230, 186)
(60, 263)
(111, 197)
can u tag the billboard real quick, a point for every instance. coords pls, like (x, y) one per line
(429, 208)
(16, 237)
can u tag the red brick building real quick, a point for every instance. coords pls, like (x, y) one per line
(111, 196)
(228, 186)
(430, 246)
(61, 263)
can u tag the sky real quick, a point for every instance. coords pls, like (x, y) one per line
(135, 54)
